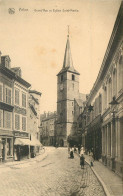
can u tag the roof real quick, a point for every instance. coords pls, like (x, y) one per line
(36, 100)
(79, 102)
(115, 39)
(68, 63)
(35, 92)
(14, 76)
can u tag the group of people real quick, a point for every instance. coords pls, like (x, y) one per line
(81, 152)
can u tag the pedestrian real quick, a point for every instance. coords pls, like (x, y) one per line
(82, 161)
(91, 159)
(79, 148)
(82, 151)
(75, 148)
(71, 153)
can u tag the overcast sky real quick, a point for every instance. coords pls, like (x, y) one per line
(35, 40)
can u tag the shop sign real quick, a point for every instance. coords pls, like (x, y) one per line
(21, 134)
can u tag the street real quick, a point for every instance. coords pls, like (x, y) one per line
(55, 175)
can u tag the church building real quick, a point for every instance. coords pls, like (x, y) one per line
(67, 95)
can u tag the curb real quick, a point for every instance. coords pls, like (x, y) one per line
(99, 179)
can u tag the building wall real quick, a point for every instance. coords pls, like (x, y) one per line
(20, 110)
(48, 128)
(34, 118)
(6, 118)
(105, 122)
(67, 91)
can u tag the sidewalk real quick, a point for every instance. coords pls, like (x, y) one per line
(111, 182)
(4, 167)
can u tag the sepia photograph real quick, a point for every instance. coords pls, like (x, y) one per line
(61, 98)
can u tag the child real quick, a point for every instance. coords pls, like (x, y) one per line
(82, 161)
(71, 153)
(91, 159)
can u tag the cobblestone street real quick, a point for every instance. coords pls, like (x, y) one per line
(55, 175)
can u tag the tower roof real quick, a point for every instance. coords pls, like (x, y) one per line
(67, 57)
(68, 63)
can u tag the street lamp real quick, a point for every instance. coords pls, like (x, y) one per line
(90, 108)
(113, 104)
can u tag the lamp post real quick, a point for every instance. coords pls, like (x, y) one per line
(113, 104)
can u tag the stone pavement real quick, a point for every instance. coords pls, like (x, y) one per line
(111, 182)
(54, 175)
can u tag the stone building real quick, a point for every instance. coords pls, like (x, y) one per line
(48, 128)
(67, 96)
(33, 120)
(13, 111)
(102, 128)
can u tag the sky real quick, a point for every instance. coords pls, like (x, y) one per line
(35, 38)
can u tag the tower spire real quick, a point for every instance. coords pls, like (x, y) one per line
(68, 31)
(67, 57)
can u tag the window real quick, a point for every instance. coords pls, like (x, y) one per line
(1, 92)
(1, 118)
(8, 96)
(7, 119)
(61, 78)
(23, 100)
(17, 121)
(73, 77)
(16, 97)
(24, 123)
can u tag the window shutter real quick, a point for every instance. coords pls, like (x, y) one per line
(1, 93)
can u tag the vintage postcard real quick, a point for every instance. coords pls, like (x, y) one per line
(61, 93)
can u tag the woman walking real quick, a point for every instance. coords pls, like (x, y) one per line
(82, 161)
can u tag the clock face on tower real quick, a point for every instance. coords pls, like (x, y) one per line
(61, 87)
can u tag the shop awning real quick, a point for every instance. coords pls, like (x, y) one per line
(34, 142)
(22, 142)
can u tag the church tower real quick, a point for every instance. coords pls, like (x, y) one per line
(67, 92)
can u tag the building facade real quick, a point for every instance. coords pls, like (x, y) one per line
(102, 128)
(33, 120)
(48, 128)
(6, 110)
(67, 93)
(13, 111)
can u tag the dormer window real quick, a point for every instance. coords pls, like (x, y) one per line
(61, 78)
(73, 77)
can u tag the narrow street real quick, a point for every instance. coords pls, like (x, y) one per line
(55, 175)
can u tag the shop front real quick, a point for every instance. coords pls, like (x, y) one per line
(94, 138)
(21, 145)
(35, 146)
(6, 148)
